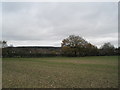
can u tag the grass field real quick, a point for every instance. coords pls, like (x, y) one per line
(60, 72)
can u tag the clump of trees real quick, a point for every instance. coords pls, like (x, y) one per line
(108, 49)
(77, 46)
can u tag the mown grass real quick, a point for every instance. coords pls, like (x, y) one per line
(61, 72)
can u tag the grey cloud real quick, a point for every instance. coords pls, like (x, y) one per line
(52, 22)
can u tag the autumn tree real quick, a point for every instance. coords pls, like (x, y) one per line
(76, 46)
(91, 50)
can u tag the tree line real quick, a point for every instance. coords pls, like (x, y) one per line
(77, 46)
(72, 46)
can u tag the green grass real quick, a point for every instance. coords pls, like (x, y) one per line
(60, 72)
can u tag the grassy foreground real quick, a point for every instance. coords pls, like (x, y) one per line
(60, 72)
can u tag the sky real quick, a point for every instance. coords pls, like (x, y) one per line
(48, 23)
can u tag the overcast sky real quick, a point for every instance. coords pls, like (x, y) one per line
(47, 24)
